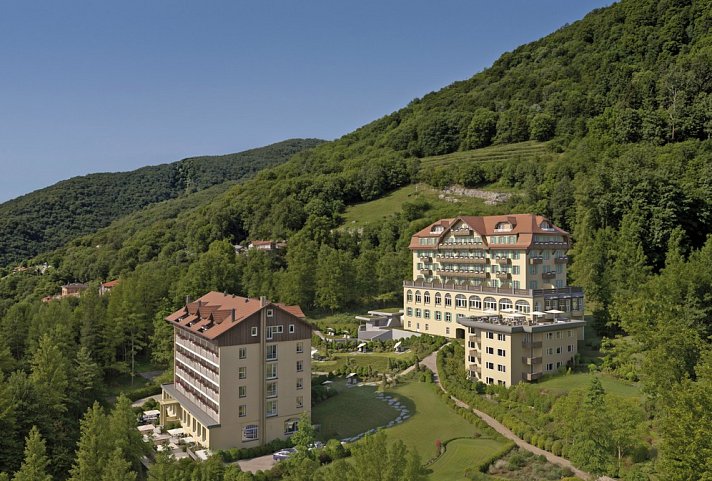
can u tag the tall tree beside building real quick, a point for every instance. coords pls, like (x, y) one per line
(34, 467)
(94, 447)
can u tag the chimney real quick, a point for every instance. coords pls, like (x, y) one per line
(263, 301)
(187, 300)
(233, 314)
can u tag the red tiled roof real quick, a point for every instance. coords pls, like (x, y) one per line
(523, 225)
(215, 309)
(110, 284)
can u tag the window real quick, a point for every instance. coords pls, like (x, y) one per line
(438, 299)
(254, 331)
(559, 284)
(448, 317)
(447, 330)
(533, 285)
(243, 410)
(522, 307)
(409, 296)
(291, 328)
(242, 390)
(558, 350)
(426, 313)
(490, 303)
(271, 409)
(558, 364)
(489, 335)
(570, 333)
(550, 335)
(558, 334)
(572, 348)
(271, 389)
(242, 373)
(291, 426)
(300, 402)
(550, 366)
(501, 337)
(271, 371)
(300, 366)
(300, 383)
(426, 297)
(418, 297)
(426, 327)
(418, 312)
(490, 350)
(489, 365)
(448, 300)
(475, 302)
(550, 351)
(438, 316)
(501, 368)
(271, 352)
(409, 311)
(505, 304)
(515, 270)
(501, 352)
(270, 312)
(489, 380)
(408, 323)
(471, 344)
(243, 353)
(300, 347)
(460, 301)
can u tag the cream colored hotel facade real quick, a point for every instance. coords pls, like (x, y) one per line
(484, 279)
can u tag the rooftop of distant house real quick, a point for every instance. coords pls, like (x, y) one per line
(110, 284)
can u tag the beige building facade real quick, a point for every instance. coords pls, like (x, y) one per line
(242, 372)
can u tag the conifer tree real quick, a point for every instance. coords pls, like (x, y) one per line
(34, 467)
(117, 468)
(123, 433)
(94, 446)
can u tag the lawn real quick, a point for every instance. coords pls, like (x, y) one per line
(377, 360)
(431, 419)
(564, 383)
(460, 455)
(353, 411)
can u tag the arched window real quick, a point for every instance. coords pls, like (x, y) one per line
(426, 297)
(418, 298)
(460, 301)
(505, 304)
(522, 306)
(438, 299)
(490, 303)
(409, 296)
(475, 302)
(448, 300)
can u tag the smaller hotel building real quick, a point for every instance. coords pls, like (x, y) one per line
(500, 283)
(242, 371)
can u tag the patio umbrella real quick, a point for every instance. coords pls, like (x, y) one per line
(508, 310)
(555, 312)
(538, 313)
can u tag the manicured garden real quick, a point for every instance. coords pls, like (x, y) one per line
(377, 360)
(567, 382)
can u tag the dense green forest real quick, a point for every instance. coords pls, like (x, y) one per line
(623, 97)
(48, 218)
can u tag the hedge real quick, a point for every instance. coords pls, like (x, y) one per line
(484, 465)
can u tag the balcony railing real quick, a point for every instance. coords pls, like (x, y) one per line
(531, 361)
(503, 261)
(426, 259)
(531, 376)
(462, 232)
(548, 275)
(531, 344)
(426, 272)
(462, 259)
(536, 260)
(503, 275)
(561, 260)
(452, 273)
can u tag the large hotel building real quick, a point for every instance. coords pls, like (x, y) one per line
(499, 282)
(242, 372)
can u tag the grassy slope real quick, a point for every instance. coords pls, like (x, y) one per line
(460, 455)
(377, 360)
(519, 151)
(612, 385)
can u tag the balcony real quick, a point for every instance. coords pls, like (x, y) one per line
(548, 275)
(531, 344)
(531, 376)
(426, 259)
(561, 260)
(426, 272)
(503, 261)
(462, 233)
(536, 259)
(462, 260)
(503, 275)
(531, 361)
(472, 274)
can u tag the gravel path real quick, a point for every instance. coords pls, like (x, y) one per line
(432, 364)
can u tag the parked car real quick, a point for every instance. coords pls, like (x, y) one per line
(283, 454)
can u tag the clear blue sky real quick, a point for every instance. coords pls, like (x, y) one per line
(96, 86)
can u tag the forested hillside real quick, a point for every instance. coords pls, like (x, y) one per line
(624, 99)
(49, 217)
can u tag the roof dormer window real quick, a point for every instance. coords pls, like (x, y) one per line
(546, 226)
(436, 229)
(503, 227)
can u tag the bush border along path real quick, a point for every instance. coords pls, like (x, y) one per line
(431, 363)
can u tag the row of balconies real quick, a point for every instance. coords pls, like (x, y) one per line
(191, 346)
(188, 376)
(540, 259)
(198, 368)
(195, 358)
(197, 398)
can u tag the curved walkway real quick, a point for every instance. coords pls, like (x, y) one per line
(431, 362)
